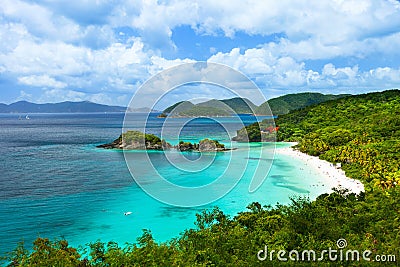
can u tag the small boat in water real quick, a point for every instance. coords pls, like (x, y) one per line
(127, 213)
(27, 117)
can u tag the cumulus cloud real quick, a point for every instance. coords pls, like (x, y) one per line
(286, 73)
(39, 21)
(41, 81)
(76, 51)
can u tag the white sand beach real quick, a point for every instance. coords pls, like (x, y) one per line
(335, 177)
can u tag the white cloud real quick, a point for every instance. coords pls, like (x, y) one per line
(25, 96)
(76, 48)
(383, 76)
(269, 70)
(286, 73)
(59, 95)
(41, 81)
(39, 20)
(312, 30)
(156, 20)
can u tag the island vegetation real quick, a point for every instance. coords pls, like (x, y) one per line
(203, 146)
(361, 132)
(136, 140)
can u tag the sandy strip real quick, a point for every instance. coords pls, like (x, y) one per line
(334, 177)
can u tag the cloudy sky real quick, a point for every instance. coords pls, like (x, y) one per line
(103, 50)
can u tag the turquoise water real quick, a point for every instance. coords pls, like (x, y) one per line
(56, 183)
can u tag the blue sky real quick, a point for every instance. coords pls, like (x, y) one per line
(103, 50)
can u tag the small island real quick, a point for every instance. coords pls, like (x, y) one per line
(136, 140)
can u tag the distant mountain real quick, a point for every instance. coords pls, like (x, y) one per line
(142, 110)
(203, 111)
(241, 105)
(214, 103)
(179, 107)
(212, 107)
(285, 104)
(3, 108)
(63, 107)
(279, 106)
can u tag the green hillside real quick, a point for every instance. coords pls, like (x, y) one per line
(178, 107)
(203, 111)
(285, 104)
(362, 132)
(240, 105)
(280, 105)
(212, 107)
(214, 103)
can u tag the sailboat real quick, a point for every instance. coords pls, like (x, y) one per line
(27, 117)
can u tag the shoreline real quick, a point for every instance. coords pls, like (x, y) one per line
(334, 177)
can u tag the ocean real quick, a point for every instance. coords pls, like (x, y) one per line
(55, 183)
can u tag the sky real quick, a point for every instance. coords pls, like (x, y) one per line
(104, 50)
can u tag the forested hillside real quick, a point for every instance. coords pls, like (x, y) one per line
(362, 132)
(211, 108)
(285, 104)
(280, 105)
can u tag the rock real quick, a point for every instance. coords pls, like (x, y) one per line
(211, 145)
(207, 145)
(135, 140)
(187, 146)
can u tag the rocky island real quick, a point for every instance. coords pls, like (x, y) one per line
(135, 140)
(203, 146)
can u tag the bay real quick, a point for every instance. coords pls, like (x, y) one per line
(55, 183)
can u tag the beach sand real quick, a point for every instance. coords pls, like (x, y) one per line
(334, 177)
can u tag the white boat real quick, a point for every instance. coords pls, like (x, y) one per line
(127, 213)
(27, 117)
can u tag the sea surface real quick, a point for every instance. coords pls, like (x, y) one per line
(55, 183)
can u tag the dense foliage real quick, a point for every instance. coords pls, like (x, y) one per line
(204, 145)
(264, 131)
(132, 140)
(136, 136)
(285, 104)
(240, 105)
(203, 111)
(182, 105)
(231, 106)
(361, 132)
